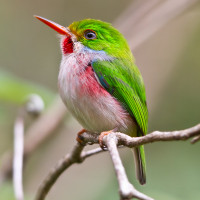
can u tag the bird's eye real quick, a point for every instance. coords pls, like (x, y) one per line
(90, 35)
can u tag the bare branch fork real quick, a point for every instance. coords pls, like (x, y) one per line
(111, 141)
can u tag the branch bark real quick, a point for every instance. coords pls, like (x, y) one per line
(62, 165)
(126, 189)
(111, 141)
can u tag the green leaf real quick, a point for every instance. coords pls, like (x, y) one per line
(16, 90)
(6, 191)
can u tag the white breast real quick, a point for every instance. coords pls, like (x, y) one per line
(96, 111)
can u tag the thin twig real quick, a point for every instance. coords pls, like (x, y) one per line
(126, 189)
(158, 136)
(155, 136)
(119, 139)
(18, 156)
(87, 154)
(40, 129)
(37, 128)
(76, 156)
(33, 106)
(195, 139)
(62, 165)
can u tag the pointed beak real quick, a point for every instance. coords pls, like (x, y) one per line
(60, 29)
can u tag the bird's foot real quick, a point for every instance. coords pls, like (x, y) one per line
(101, 136)
(79, 137)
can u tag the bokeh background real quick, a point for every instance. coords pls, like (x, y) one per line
(165, 39)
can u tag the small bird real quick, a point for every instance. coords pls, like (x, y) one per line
(100, 83)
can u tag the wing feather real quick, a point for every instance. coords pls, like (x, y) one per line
(123, 80)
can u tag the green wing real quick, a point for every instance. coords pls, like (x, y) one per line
(122, 79)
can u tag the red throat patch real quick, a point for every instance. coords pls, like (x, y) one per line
(67, 45)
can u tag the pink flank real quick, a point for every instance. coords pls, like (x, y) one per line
(90, 85)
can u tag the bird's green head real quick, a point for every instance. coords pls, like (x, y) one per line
(93, 34)
(98, 35)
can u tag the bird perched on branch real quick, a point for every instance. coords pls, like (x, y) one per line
(100, 83)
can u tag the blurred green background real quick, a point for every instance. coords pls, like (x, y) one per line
(169, 61)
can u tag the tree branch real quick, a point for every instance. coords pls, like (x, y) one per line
(62, 165)
(155, 136)
(33, 106)
(18, 156)
(37, 128)
(111, 141)
(126, 190)
(195, 139)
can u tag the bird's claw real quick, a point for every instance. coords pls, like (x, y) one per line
(101, 136)
(79, 136)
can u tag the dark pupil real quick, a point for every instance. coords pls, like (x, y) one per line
(90, 35)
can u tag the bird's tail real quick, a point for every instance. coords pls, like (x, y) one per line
(140, 164)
